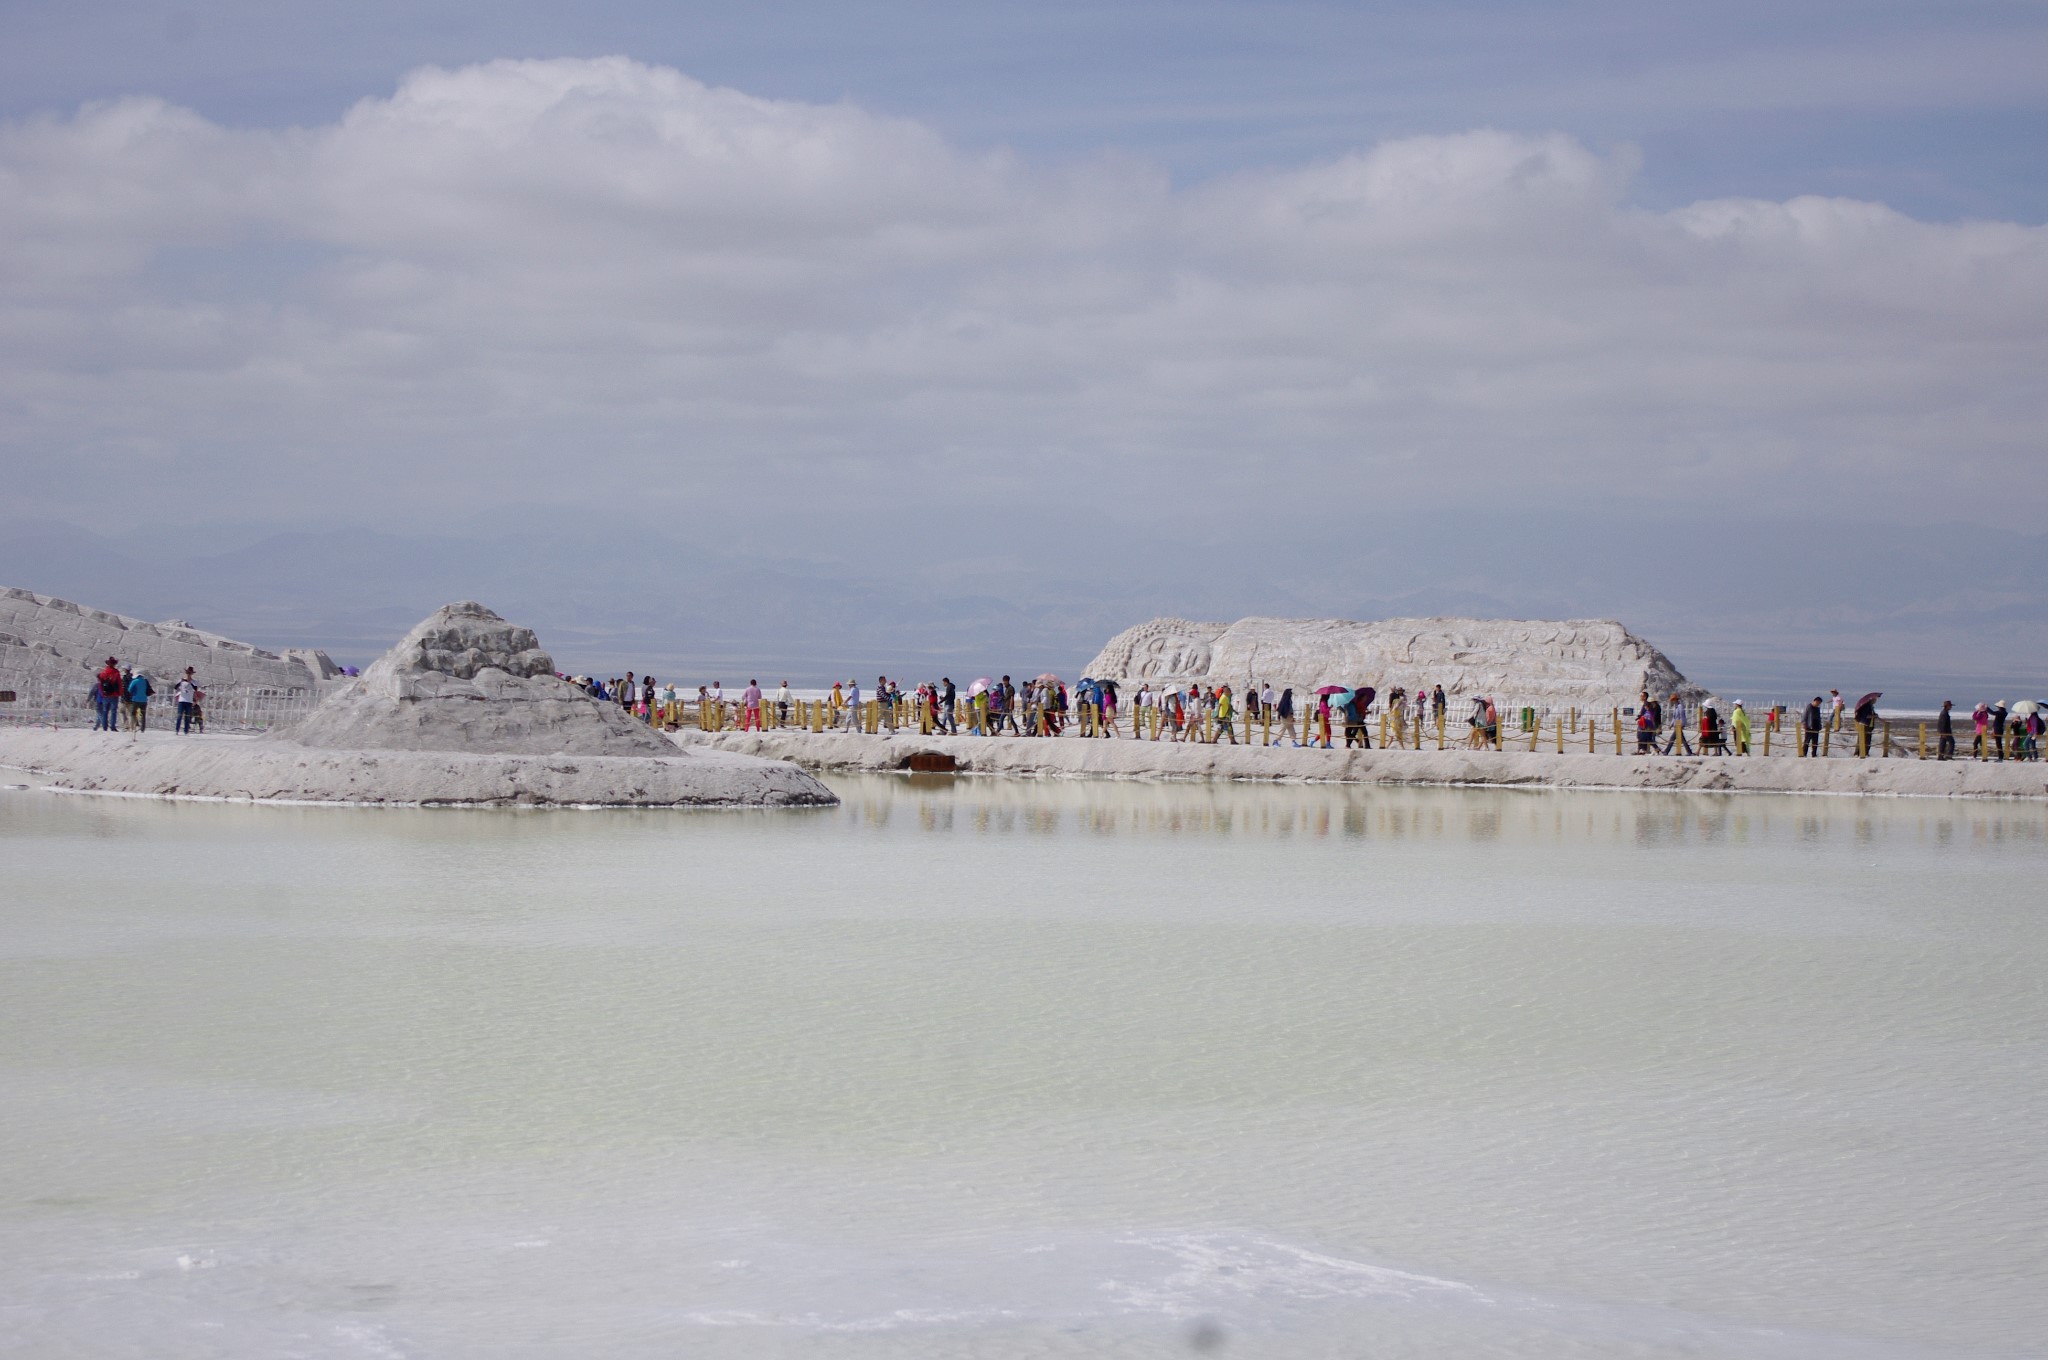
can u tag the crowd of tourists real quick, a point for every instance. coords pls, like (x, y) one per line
(1047, 707)
(121, 696)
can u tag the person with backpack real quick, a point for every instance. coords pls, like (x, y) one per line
(139, 691)
(106, 696)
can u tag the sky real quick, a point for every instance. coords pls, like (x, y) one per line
(798, 333)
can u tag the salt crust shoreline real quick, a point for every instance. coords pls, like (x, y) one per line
(1074, 757)
(256, 769)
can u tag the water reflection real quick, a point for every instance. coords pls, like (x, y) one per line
(948, 805)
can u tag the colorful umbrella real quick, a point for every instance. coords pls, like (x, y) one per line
(981, 686)
(1870, 698)
(1332, 689)
(1047, 679)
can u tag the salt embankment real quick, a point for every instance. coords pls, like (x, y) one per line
(466, 709)
(1127, 759)
(266, 770)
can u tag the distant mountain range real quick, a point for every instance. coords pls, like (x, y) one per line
(1779, 610)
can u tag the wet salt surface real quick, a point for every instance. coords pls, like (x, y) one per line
(967, 1067)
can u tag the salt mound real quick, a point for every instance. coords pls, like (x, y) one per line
(466, 680)
(1591, 663)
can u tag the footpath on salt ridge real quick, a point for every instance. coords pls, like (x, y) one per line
(1125, 758)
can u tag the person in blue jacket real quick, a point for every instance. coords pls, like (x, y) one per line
(139, 690)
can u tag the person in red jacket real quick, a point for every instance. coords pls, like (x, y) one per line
(106, 696)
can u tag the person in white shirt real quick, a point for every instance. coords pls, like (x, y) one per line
(853, 722)
(782, 704)
(187, 694)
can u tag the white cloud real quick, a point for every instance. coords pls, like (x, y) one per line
(599, 280)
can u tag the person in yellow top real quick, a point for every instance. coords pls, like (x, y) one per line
(1223, 714)
(1739, 722)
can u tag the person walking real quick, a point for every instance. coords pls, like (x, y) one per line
(1738, 723)
(853, 722)
(1008, 720)
(750, 705)
(1354, 723)
(1945, 732)
(1676, 744)
(106, 695)
(1283, 709)
(1866, 720)
(187, 696)
(949, 718)
(1998, 730)
(1809, 728)
(782, 702)
(139, 692)
(1224, 713)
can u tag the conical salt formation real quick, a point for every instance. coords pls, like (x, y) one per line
(466, 680)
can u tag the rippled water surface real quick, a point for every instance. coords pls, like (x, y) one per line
(967, 1068)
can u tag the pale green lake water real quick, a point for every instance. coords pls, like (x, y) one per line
(969, 1068)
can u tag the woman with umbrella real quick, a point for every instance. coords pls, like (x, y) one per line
(977, 706)
(2026, 715)
(1330, 700)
